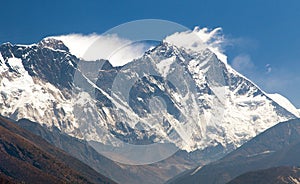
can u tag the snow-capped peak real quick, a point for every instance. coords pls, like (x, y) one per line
(285, 103)
(53, 44)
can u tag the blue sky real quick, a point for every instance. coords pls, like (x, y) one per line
(263, 34)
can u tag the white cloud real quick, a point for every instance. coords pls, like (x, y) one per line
(199, 39)
(242, 63)
(268, 68)
(118, 51)
(128, 53)
(77, 43)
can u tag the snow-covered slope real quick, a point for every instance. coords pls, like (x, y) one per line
(285, 103)
(173, 93)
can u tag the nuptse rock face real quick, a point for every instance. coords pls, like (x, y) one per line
(215, 107)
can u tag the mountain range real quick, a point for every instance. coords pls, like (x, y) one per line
(167, 111)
